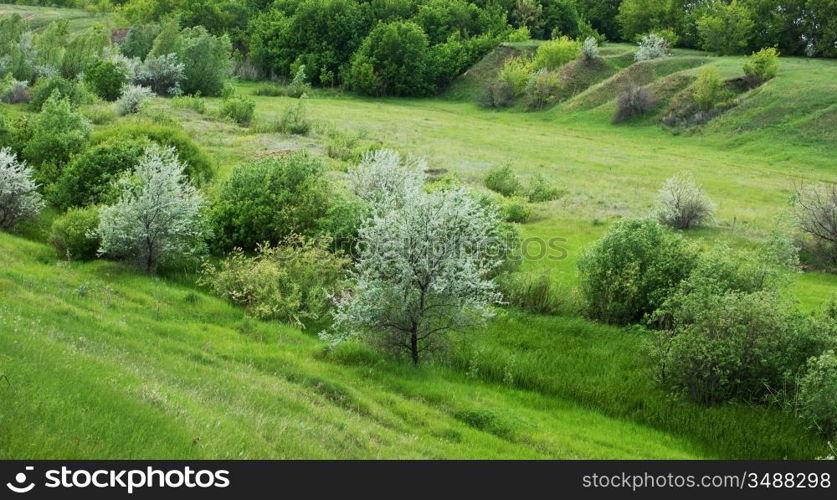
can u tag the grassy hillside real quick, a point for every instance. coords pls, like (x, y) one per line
(39, 17)
(102, 362)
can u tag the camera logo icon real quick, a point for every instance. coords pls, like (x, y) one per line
(20, 479)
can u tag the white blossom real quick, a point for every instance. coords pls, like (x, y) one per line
(133, 99)
(423, 269)
(158, 217)
(651, 46)
(386, 179)
(19, 197)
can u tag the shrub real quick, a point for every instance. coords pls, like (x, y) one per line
(540, 190)
(14, 91)
(817, 397)
(138, 40)
(55, 134)
(515, 74)
(269, 199)
(632, 102)
(709, 89)
(198, 163)
(106, 79)
(386, 179)
(45, 87)
(651, 46)
(394, 59)
(239, 109)
(89, 178)
(536, 293)
(83, 50)
(294, 120)
(761, 66)
(516, 209)
(74, 234)
(497, 94)
(292, 282)
(503, 180)
(206, 59)
(158, 217)
(163, 74)
(738, 346)
(682, 204)
(520, 34)
(726, 28)
(299, 85)
(555, 53)
(590, 49)
(541, 88)
(816, 216)
(133, 99)
(630, 271)
(19, 197)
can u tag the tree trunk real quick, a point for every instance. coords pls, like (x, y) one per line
(414, 352)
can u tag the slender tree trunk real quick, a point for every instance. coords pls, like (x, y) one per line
(414, 347)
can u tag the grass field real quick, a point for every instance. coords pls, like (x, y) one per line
(102, 362)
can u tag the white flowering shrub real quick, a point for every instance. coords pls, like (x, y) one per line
(590, 49)
(682, 204)
(423, 269)
(163, 74)
(651, 46)
(133, 99)
(19, 198)
(159, 216)
(386, 179)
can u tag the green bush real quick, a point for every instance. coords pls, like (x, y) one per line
(497, 94)
(517, 210)
(540, 90)
(292, 282)
(726, 28)
(239, 109)
(74, 234)
(709, 89)
(269, 199)
(515, 74)
(83, 50)
(54, 135)
(138, 40)
(206, 59)
(395, 60)
(198, 163)
(106, 79)
(540, 190)
(44, 88)
(737, 346)
(555, 53)
(88, 178)
(503, 180)
(630, 272)
(761, 66)
(294, 120)
(817, 397)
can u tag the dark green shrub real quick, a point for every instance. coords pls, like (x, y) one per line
(88, 178)
(206, 59)
(106, 79)
(54, 135)
(817, 399)
(269, 199)
(238, 109)
(198, 164)
(83, 50)
(74, 234)
(503, 180)
(630, 271)
(44, 88)
(138, 40)
(395, 60)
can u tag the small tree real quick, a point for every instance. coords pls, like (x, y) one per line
(423, 270)
(386, 179)
(726, 28)
(651, 46)
(56, 133)
(816, 215)
(158, 217)
(761, 66)
(682, 204)
(19, 198)
(133, 99)
(590, 49)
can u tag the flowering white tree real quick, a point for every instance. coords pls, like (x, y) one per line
(682, 204)
(424, 269)
(158, 217)
(386, 179)
(19, 197)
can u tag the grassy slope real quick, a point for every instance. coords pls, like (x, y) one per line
(39, 17)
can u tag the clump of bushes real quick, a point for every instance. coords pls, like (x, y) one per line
(239, 109)
(52, 136)
(632, 102)
(515, 74)
(540, 190)
(292, 282)
(74, 234)
(163, 74)
(817, 395)
(132, 99)
(709, 89)
(269, 199)
(682, 204)
(516, 209)
(497, 94)
(19, 197)
(629, 272)
(44, 88)
(541, 89)
(651, 46)
(503, 180)
(761, 66)
(106, 79)
(555, 53)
